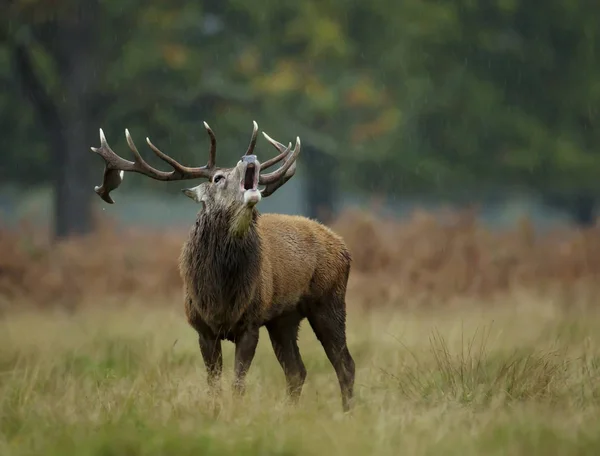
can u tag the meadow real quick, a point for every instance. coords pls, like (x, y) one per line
(465, 341)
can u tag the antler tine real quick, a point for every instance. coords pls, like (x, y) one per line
(271, 187)
(212, 153)
(280, 147)
(111, 159)
(176, 165)
(138, 158)
(286, 170)
(253, 139)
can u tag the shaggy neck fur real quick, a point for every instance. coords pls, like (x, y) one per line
(241, 220)
(221, 264)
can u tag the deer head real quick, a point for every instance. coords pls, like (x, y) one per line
(235, 187)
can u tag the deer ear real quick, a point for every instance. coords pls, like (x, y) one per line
(195, 193)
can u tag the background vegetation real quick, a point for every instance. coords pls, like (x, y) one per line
(418, 97)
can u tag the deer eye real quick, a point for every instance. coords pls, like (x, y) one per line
(217, 178)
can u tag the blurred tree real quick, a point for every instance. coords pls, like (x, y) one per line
(399, 97)
(51, 48)
(321, 187)
(511, 96)
(81, 66)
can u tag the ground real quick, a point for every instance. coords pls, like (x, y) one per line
(516, 377)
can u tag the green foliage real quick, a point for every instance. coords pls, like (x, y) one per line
(409, 95)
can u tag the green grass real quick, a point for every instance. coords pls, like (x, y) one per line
(473, 380)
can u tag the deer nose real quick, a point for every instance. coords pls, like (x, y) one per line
(249, 159)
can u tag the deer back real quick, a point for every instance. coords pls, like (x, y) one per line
(300, 259)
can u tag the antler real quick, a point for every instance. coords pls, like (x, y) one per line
(285, 172)
(253, 139)
(281, 148)
(115, 166)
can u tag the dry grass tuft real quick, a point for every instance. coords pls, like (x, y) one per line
(473, 376)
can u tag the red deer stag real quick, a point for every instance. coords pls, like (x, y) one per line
(242, 270)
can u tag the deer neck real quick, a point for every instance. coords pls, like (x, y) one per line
(222, 269)
(228, 226)
(227, 240)
(241, 220)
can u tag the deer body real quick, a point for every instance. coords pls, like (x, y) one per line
(242, 270)
(232, 279)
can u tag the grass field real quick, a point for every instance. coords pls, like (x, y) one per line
(451, 357)
(519, 378)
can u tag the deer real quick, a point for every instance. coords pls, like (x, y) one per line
(242, 270)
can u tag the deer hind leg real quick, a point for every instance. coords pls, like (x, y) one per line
(245, 348)
(328, 320)
(283, 333)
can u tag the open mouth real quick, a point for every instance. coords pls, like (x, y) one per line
(250, 177)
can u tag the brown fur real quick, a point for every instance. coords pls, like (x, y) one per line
(276, 272)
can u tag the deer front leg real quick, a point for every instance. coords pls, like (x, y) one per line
(245, 348)
(210, 346)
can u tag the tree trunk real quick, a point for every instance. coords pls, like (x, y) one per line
(580, 207)
(69, 41)
(321, 184)
(582, 210)
(73, 187)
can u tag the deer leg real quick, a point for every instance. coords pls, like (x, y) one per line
(210, 347)
(245, 348)
(283, 333)
(328, 321)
